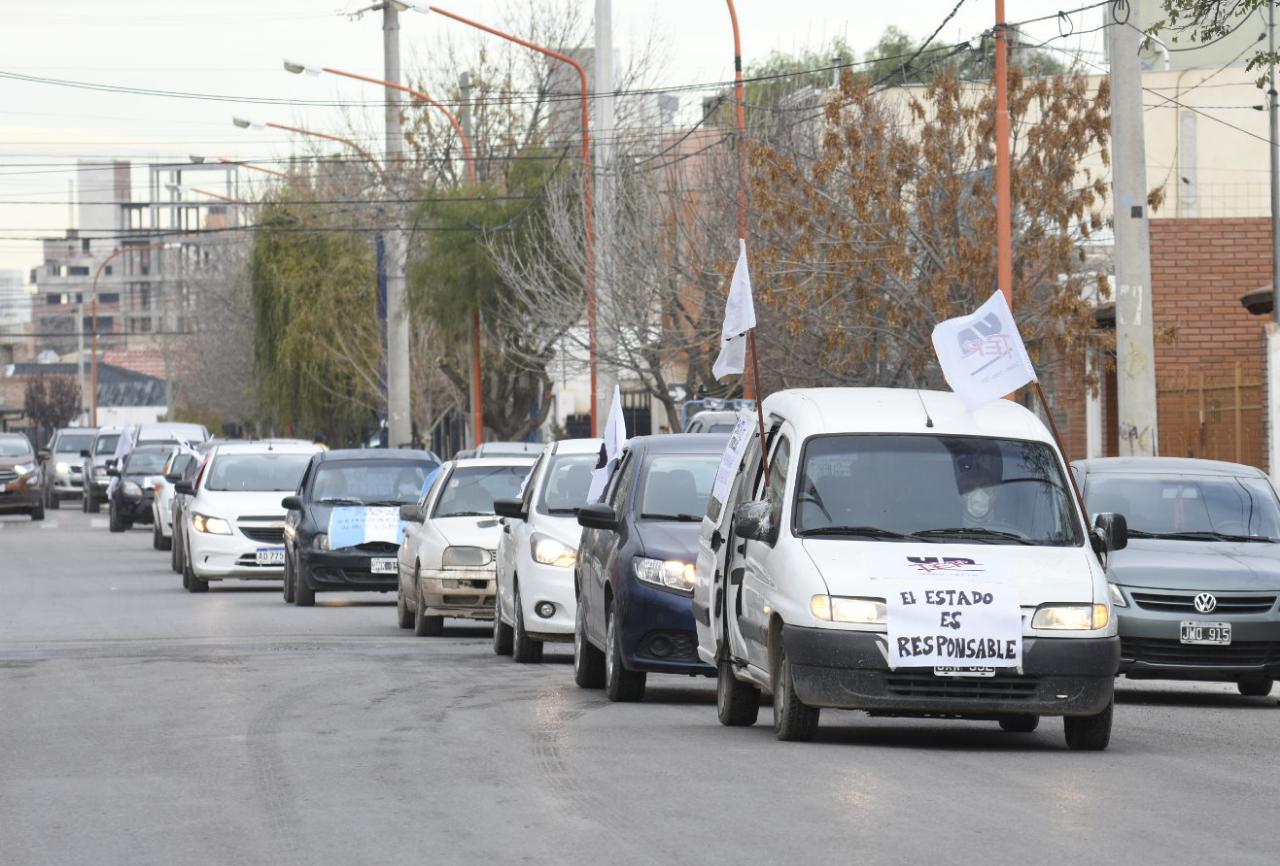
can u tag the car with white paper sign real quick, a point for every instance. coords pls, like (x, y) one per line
(904, 556)
(342, 528)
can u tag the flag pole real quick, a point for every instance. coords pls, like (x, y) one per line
(1057, 438)
(755, 371)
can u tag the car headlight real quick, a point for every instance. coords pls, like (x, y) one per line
(836, 608)
(210, 525)
(132, 489)
(24, 468)
(321, 541)
(465, 557)
(670, 573)
(549, 551)
(1117, 598)
(64, 468)
(1071, 617)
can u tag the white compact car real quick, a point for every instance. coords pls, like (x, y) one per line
(446, 561)
(235, 522)
(537, 551)
(904, 556)
(177, 465)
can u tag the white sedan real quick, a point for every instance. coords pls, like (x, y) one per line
(538, 549)
(446, 560)
(178, 464)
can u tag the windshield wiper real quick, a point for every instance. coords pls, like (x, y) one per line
(679, 518)
(865, 531)
(1199, 535)
(338, 500)
(563, 510)
(976, 532)
(386, 502)
(467, 514)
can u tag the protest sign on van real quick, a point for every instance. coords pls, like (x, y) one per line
(743, 430)
(943, 621)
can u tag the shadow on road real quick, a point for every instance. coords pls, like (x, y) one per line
(957, 737)
(1194, 699)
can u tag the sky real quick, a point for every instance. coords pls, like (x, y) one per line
(233, 48)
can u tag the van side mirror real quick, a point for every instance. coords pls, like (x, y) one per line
(184, 487)
(598, 515)
(111, 462)
(513, 508)
(412, 512)
(1114, 530)
(113, 472)
(42, 455)
(84, 452)
(751, 521)
(173, 477)
(291, 503)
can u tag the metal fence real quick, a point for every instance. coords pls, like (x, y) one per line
(1218, 415)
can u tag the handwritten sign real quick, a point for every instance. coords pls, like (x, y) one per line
(350, 525)
(743, 430)
(949, 619)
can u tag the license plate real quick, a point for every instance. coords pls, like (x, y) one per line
(384, 566)
(270, 555)
(1213, 633)
(963, 672)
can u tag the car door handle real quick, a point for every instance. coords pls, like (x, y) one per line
(735, 576)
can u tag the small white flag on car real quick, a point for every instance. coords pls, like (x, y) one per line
(739, 317)
(615, 438)
(982, 355)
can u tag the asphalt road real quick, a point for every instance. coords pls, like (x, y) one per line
(140, 724)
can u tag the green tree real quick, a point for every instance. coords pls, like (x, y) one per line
(1204, 21)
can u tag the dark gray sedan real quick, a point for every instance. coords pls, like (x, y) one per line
(1196, 590)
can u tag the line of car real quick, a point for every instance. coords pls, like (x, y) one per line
(773, 575)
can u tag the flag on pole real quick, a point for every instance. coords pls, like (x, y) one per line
(739, 317)
(982, 355)
(615, 438)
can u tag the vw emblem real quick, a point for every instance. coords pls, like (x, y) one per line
(1205, 602)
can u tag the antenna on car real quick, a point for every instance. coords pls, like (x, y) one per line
(928, 422)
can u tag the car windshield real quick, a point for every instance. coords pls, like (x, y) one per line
(1188, 506)
(145, 462)
(470, 490)
(15, 447)
(677, 486)
(366, 482)
(181, 463)
(934, 488)
(257, 472)
(75, 443)
(565, 489)
(106, 444)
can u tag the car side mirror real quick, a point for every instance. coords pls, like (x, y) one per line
(1114, 530)
(184, 487)
(42, 455)
(412, 512)
(291, 503)
(84, 452)
(113, 472)
(173, 477)
(598, 515)
(751, 521)
(513, 508)
(111, 462)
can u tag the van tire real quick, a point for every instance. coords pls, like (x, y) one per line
(793, 720)
(524, 649)
(737, 703)
(620, 684)
(1089, 733)
(95, 506)
(502, 637)
(1019, 724)
(1256, 688)
(588, 662)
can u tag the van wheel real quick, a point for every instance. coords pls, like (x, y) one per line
(793, 720)
(1089, 733)
(1256, 688)
(424, 625)
(588, 662)
(404, 613)
(737, 703)
(620, 684)
(502, 636)
(1019, 724)
(524, 649)
(94, 505)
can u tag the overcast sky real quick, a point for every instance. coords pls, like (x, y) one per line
(234, 47)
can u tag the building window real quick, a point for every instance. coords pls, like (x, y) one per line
(52, 299)
(84, 244)
(78, 271)
(109, 298)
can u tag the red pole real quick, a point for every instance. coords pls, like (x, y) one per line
(1004, 220)
(330, 137)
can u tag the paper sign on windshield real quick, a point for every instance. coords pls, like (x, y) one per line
(350, 525)
(952, 620)
(729, 462)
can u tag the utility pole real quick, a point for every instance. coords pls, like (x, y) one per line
(1274, 117)
(477, 387)
(399, 419)
(1004, 210)
(1135, 332)
(602, 75)
(80, 349)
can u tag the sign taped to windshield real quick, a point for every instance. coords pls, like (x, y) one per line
(350, 525)
(953, 621)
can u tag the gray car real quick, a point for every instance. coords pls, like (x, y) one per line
(1196, 589)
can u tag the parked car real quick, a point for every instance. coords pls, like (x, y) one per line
(235, 518)
(506, 449)
(820, 582)
(1196, 590)
(21, 491)
(537, 551)
(340, 491)
(635, 565)
(93, 468)
(712, 422)
(169, 431)
(178, 506)
(131, 497)
(445, 563)
(162, 502)
(63, 473)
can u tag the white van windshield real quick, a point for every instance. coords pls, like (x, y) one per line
(934, 488)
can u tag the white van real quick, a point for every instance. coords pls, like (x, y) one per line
(906, 557)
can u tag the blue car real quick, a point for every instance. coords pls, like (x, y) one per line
(635, 566)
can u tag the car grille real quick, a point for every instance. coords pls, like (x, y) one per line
(1172, 652)
(926, 685)
(378, 547)
(265, 534)
(7, 475)
(1184, 602)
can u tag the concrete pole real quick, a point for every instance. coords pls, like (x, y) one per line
(1274, 117)
(1135, 333)
(605, 85)
(476, 390)
(399, 415)
(80, 352)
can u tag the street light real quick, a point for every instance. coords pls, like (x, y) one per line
(298, 130)
(93, 316)
(201, 160)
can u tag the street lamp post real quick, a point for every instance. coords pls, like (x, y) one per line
(93, 318)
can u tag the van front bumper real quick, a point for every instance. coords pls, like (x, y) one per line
(847, 670)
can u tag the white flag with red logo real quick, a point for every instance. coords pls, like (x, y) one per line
(982, 355)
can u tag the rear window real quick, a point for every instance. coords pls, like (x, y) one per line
(470, 490)
(677, 486)
(257, 472)
(106, 444)
(145, 462)
(74, 443)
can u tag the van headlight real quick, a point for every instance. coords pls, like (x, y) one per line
(210, 525)
(63, 468)
(1117, 597)
(1071, 617)
(24, 468)
(549, 551)
(668, 573)
(465, 557)
(837, 608)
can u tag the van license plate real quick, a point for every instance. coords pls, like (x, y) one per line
(963, 672)
(269, 555)
(1211, 633)
(383, 566)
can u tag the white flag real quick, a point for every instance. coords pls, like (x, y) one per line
(615, 438)
(982, 355)
(739, 317)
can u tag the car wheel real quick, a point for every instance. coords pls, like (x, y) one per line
(524, 649)
(114, 523)
(737, 703)
(158, 540)
(94, 505)
(190, 581)
(620, 684)
(287, 588)
(1019, 724)
(53, 501)
(175, 548)
(502, 635)
(1256, 688)
(1089, 733)
(404, 613)
(588, 662)
(793, 719)
(37, 513)
(304, 595)
(424, 625)
(84, 503)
